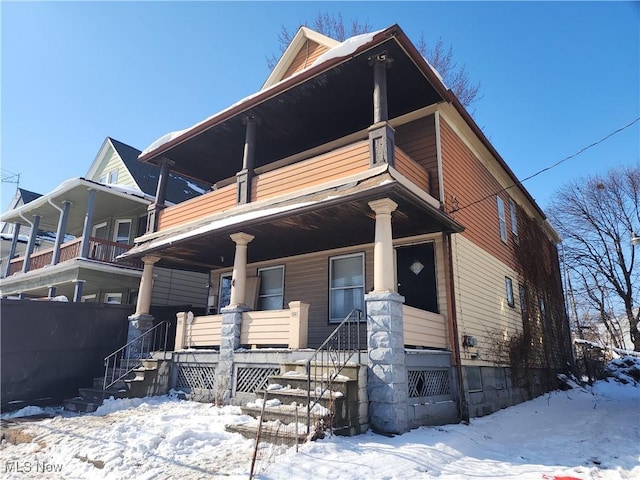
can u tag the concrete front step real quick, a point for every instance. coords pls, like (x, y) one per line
(274, 433)
(350, 370)
(339, 384)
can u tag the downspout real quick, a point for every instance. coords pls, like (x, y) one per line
(454, 335)
(62, 229)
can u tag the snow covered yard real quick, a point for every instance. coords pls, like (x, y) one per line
(582, 433)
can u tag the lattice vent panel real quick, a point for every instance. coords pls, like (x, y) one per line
(196, 376)
(429, 383)
(251, 379)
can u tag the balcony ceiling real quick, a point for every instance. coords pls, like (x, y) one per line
(328, 106)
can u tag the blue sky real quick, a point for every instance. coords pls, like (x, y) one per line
(555, 76)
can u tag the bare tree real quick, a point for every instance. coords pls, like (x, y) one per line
(596, 218)
(440, 57)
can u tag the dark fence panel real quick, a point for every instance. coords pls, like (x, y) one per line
(50, 349)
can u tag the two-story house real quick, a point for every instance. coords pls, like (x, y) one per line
(355, 179)
(91, 220)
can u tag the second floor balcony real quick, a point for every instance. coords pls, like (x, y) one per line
(327, 169)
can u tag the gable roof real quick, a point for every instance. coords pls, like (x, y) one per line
(146, 175)
(28, 196)
(304, 48)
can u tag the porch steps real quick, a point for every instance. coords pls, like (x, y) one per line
(288, 392)
(135, 384)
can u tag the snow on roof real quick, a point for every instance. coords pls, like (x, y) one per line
(343, 49)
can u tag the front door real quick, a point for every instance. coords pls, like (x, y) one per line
(417, 276)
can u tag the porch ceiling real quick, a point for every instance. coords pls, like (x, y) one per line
(334, 103)
(340, 222)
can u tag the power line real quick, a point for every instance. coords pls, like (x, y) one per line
(519, 182)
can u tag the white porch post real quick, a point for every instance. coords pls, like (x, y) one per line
(146, 285)
(239, 276)
(140, 322)
(232, 320)
(383, 270)
(387, 385)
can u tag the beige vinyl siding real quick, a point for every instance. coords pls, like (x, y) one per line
(112, 161)
(481, 300)
(306, 279)
(177, 287)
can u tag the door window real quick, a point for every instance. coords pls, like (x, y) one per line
(225, 291)
(122, 231)
(417, 276)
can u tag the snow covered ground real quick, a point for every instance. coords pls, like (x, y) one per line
(583, 433)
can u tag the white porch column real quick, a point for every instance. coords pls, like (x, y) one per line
(146, 285)
(383, 269)
(239, 276)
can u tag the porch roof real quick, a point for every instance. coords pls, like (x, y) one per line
(109, 200)
(329, 100)
(321, 220)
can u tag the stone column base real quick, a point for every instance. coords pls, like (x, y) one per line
(229, 342)
(387, 376)
(139, 323)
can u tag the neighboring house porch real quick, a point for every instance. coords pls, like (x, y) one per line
(94, 223)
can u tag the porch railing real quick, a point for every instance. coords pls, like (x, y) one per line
(331, 357)
(126, 359)
(99, 249)
(286, 327)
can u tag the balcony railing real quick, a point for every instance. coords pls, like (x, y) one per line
(259, 328)
(101, 250)
(327, 167)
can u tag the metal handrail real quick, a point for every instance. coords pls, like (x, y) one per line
(344, 349)
(132, 354)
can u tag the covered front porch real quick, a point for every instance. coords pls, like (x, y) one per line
(91, 224)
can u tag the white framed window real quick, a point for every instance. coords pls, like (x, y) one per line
(502, 219)
(346, 285)
(508, 283)
(271, 292)
(113, 298)
(122, 232)
(103, 178)
(88, 298)
(113, 177)
(225, 291)
(514, 219)
(100, 230)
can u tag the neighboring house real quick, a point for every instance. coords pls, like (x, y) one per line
(355, 179)
(43, 240)
(96, 219)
